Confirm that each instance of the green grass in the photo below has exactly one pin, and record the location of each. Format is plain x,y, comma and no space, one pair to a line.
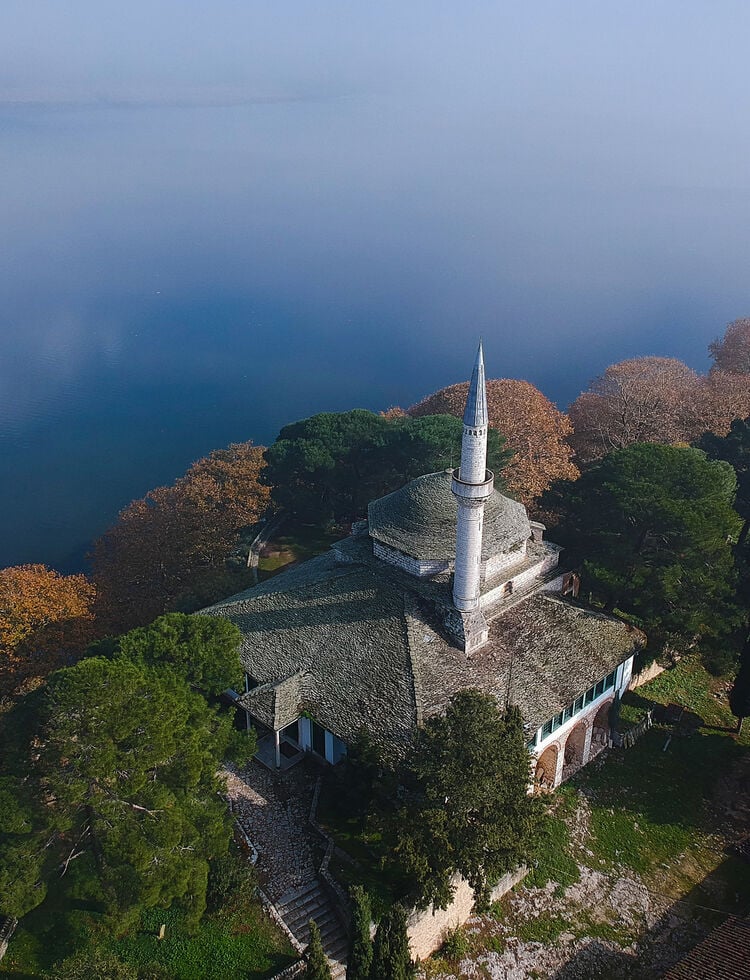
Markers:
298,543
542,929
690,685
651,807
236,944
651,804
553,860
239,946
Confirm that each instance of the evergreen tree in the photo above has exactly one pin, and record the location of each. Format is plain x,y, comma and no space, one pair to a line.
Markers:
470,811
332,465
317,964
360,944
735,449
203,650
391,959
119,764
739,696
655,525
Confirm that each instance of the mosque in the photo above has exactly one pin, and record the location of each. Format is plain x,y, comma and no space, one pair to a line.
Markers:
448,585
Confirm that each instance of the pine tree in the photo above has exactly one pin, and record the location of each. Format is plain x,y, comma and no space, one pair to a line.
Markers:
360,944
317,964
391,959
739,696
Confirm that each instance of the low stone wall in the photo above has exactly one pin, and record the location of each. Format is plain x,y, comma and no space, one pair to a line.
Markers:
647,674
427,929
7,928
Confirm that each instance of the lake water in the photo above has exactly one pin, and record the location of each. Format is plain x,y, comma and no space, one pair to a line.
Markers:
175,277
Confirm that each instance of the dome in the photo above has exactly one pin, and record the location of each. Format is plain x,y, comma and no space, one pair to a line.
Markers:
420,520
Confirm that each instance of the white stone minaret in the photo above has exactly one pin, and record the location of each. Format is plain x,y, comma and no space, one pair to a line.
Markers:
472,484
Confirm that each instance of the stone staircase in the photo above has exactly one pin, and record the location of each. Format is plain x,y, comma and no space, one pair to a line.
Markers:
309,901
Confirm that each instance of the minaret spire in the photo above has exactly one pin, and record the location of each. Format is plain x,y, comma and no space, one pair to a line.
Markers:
471,485
475,413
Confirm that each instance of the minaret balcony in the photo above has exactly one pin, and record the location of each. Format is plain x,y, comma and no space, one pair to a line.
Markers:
473,491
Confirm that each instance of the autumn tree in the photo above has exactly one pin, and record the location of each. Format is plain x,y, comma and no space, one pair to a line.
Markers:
43,616
645,399
534,430
721,397
330,466
731,352
169,549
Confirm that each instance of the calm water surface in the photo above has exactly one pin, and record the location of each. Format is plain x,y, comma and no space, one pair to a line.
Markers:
177,277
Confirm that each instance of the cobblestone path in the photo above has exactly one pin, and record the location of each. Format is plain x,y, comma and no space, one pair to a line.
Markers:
274,811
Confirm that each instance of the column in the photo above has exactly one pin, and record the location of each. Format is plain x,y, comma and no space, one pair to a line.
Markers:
277,746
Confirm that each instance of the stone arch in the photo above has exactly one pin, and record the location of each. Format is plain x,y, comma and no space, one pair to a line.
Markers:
546,767
575,747
600,734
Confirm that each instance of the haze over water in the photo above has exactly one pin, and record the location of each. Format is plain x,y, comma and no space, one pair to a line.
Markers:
218,218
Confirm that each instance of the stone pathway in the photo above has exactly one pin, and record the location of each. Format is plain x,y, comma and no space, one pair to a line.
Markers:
274,813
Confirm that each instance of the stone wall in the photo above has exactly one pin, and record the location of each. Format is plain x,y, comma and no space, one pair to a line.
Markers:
420,568
497,563
647,674
427,929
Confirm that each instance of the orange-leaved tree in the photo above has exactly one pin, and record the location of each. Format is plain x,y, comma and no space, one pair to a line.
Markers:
168,550
44,617
644,399
533,428
732,351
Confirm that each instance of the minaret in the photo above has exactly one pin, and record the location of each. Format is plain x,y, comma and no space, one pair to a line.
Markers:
471,485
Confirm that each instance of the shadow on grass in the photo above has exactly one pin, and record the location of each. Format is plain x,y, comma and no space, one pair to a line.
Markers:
649,803
684,924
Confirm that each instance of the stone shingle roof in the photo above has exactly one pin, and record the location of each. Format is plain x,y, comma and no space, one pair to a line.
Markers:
723,955
420,520
359,645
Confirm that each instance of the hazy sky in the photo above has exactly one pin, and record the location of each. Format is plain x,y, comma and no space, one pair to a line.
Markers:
221,217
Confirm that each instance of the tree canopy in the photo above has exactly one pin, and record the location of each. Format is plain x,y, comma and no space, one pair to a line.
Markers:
330,466
735,449
359,960
390,956
111,771
470,811
169,550
534,430
43,615
317,967
732,351
654,399
202,649
655,525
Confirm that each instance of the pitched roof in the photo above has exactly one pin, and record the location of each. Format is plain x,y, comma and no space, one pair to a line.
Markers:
723,955
360,645
420,520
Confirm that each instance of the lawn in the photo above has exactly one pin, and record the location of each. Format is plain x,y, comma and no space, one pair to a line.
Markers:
235,944
298,543
653,807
